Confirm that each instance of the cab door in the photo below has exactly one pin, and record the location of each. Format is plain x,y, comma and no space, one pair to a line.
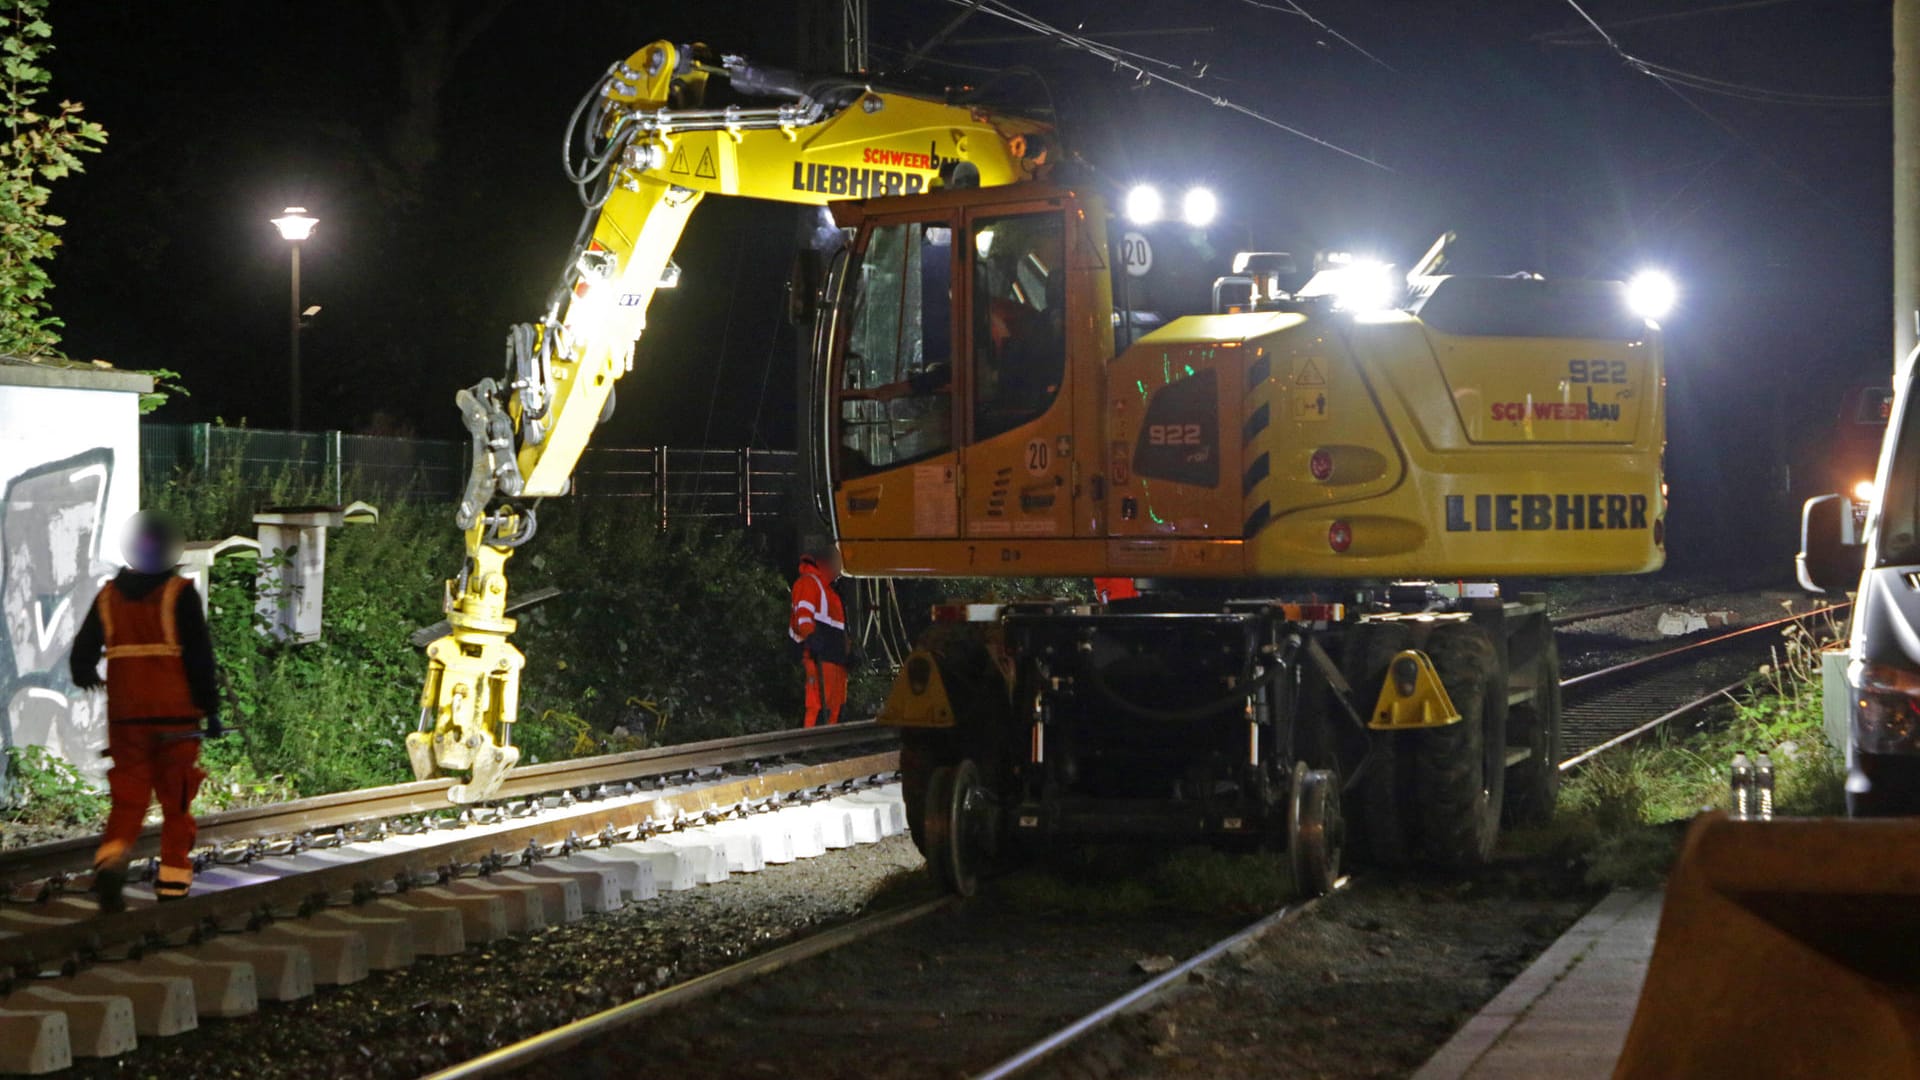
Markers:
892,388
1017,457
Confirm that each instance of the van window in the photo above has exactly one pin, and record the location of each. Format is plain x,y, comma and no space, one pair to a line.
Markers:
1899,522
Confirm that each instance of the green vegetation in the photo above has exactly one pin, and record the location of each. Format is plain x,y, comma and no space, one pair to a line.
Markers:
43,145
46,791
651,639
1624,813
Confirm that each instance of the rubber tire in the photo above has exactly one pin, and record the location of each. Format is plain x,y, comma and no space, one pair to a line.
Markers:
1458,802
916,769
1533,786
1377,819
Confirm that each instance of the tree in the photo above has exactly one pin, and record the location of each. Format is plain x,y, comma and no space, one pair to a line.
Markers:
42,146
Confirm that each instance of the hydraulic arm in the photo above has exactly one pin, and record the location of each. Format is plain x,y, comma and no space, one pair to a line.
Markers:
644,147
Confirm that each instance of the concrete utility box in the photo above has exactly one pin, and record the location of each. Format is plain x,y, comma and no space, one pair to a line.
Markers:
1836,697
69,479
293,565
197,558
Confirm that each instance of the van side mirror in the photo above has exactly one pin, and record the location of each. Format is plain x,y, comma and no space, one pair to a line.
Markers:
1833,546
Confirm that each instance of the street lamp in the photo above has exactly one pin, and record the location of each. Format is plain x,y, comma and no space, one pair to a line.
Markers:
294,226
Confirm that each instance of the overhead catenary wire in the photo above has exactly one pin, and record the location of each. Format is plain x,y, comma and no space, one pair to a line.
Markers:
1119,59
1675,88
1289,7
1673,78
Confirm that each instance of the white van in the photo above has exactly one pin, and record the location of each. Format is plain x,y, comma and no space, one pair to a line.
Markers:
1873,547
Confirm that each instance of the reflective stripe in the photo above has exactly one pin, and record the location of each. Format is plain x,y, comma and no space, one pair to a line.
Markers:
169,604
125,652
804,605
181,876
793,635
111,853
831,621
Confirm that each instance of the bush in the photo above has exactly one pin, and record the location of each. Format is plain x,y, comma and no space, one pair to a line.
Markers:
44,790
652,639
1624,812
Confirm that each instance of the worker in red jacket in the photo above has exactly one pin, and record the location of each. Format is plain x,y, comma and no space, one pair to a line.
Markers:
817,623
160,685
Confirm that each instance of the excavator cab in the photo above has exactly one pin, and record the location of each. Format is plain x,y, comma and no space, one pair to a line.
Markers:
959,367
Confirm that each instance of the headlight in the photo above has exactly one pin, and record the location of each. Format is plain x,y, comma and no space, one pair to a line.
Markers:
1143,204
1651,294
1199,207
1864,491
1365,285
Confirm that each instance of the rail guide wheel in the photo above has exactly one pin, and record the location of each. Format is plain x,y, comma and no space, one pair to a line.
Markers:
959,826
1315,830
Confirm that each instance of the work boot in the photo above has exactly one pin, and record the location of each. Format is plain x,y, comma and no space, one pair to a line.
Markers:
108,884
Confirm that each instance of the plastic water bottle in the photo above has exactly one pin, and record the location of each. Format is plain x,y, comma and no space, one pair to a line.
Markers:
1742,786
1763,786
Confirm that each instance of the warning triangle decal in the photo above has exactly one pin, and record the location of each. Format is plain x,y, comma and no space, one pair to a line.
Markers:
706,165
679,161
1311,373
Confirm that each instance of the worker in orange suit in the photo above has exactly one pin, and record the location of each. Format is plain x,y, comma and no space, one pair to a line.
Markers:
1109,589
161,686
817,623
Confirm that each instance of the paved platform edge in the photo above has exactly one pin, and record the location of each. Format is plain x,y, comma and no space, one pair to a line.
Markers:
1481,1033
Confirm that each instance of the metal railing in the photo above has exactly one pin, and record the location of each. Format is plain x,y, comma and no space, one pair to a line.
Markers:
742,486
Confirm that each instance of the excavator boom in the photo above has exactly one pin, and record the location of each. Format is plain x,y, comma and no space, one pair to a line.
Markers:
644,149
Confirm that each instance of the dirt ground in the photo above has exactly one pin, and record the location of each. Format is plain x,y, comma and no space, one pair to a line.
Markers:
1368,984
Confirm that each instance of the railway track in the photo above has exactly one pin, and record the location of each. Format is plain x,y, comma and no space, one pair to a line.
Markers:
1615,705
399,847
1605,708
324,891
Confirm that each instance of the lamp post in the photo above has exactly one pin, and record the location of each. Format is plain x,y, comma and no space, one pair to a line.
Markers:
294,226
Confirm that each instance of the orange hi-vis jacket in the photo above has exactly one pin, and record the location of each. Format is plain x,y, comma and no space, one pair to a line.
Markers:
146,675
818,619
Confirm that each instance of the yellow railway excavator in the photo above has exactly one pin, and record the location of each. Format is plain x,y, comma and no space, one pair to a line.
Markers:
1318,480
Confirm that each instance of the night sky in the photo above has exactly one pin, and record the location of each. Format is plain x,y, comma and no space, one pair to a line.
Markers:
426,137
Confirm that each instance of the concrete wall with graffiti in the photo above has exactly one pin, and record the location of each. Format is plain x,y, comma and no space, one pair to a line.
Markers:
69,479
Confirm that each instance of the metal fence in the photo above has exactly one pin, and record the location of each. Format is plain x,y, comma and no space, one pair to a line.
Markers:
742,486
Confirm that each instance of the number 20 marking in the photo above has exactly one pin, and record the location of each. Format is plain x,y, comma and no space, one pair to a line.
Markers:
1596,371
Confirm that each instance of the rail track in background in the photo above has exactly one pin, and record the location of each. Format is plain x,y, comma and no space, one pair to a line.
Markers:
1627,701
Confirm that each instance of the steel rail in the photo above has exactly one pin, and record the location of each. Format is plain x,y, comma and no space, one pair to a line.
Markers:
1695,646
1100,1017
1631,734
40,861
537,1048
53,947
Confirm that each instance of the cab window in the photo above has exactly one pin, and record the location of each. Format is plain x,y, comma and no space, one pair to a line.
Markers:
1019,319
895,389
